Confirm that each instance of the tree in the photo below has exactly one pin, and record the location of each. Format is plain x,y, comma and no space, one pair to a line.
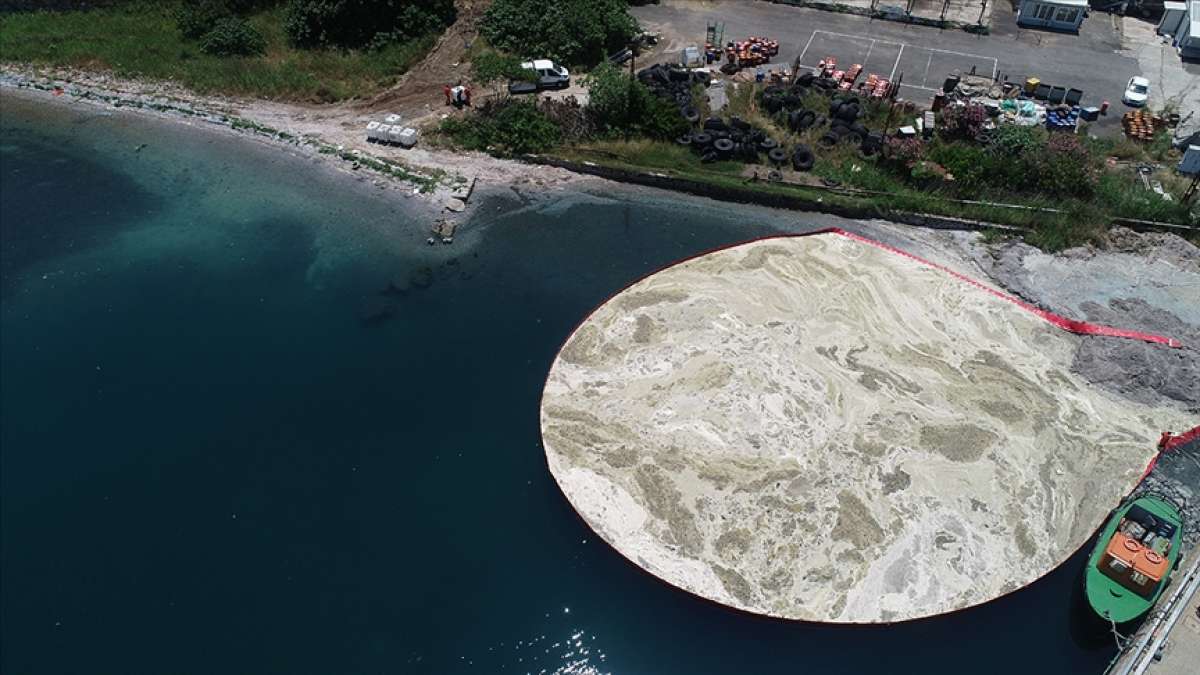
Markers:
574,32
352,24
619,103
489,66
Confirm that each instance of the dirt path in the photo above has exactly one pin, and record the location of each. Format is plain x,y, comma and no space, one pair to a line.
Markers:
418,93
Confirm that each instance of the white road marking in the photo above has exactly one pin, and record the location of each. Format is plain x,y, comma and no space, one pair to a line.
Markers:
897,63
800,59
900,54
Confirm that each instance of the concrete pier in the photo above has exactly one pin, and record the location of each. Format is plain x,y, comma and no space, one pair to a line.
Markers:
1169,641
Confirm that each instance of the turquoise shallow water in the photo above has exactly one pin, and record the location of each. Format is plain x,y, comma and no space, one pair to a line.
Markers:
252,424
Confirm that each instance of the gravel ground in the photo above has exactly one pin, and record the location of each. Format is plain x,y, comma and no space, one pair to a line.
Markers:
1147,282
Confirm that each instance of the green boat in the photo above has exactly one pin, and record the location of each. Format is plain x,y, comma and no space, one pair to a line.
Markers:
1131,565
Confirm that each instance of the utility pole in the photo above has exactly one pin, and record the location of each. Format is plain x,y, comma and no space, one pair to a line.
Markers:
982,11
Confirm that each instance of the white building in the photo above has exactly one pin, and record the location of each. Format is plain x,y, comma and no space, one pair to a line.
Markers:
1056,14
1187,37
1174,14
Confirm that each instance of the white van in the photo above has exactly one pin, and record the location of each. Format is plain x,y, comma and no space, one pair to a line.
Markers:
550,75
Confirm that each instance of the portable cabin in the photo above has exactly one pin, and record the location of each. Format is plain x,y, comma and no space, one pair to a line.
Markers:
1174,14
1187,39
1064,15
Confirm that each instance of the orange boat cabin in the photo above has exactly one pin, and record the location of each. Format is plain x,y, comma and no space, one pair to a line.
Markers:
1136,556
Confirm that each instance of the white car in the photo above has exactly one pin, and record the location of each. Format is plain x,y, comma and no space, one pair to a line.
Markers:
1137,91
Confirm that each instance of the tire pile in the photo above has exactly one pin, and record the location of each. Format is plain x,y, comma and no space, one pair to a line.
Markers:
737,139
675,85
840,117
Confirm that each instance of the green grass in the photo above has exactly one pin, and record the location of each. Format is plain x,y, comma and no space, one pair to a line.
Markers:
1077,222
141,40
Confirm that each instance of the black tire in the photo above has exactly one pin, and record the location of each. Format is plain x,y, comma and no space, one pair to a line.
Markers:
802,158
685,140
806,79
677,75
768,144
708,157
860,129
723,146
807,120
847,112
793,120
853,138
774,176
772,90
739,124
702,140
690,114
773,104
792,102
777,155
715,124
830,139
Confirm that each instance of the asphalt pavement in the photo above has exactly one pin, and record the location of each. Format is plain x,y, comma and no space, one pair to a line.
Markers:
1091,61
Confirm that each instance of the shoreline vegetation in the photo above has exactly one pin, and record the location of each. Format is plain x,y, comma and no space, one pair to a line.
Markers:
1057,188
624,131
144,39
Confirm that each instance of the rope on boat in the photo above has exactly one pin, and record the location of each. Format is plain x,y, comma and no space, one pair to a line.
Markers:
1121,640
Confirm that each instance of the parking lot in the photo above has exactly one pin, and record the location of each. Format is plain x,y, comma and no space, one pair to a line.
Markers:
1092,61
920,69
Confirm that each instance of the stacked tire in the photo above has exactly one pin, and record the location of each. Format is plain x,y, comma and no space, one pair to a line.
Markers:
675,85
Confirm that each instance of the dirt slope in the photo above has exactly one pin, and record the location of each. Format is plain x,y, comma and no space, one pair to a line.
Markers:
419,91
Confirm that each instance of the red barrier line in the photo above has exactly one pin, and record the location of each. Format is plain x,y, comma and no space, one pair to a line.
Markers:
1170,442
1070,325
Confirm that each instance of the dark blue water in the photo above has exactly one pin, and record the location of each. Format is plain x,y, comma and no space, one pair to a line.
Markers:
226,446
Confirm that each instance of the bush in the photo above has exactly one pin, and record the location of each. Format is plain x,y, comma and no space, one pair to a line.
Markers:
618,103
363,23
232,36
1065,168
904,151
970,164
505,127
574,32
490,66
961,121
197,18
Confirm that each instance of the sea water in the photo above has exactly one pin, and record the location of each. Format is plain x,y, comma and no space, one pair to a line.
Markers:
251,423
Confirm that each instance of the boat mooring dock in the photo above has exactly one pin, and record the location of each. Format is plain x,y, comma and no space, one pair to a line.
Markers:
1169,641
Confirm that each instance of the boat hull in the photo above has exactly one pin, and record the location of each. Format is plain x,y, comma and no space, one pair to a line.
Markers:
1112,601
